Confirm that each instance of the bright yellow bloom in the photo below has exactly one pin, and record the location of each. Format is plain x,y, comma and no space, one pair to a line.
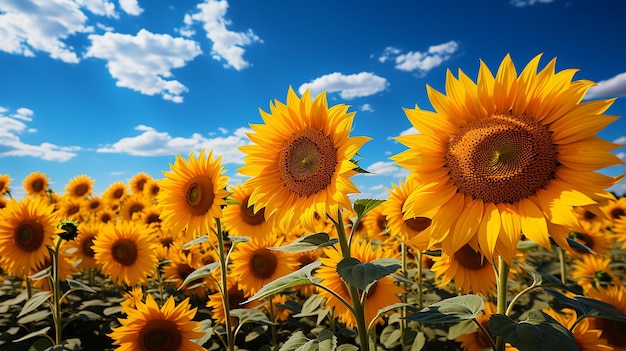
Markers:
138,181
36,183
27,228
79,187
407,229
132,207
84,242
149,327
241,219
301,158
612,330
470,271
587,338
615,209
5,179
507,155
192,194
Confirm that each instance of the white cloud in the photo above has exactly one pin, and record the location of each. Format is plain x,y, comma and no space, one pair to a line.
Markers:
349,86
154,143
523,3
384,168
27,26
421,62
621,156
11,144
620,140
227,45
131,7
142,62
99,7
612,87
411,130
367,108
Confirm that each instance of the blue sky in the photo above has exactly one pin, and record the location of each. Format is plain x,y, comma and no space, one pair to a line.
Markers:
110,88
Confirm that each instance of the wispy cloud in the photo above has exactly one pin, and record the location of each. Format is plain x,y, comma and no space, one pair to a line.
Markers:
131,7
385,168
612,87
99,7
143,62
12,125
154,143
28,26
620,140
523,3
420,61
227,45
348,86
367,108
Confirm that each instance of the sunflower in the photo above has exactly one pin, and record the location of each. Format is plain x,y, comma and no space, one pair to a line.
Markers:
131,298
3,202
470,270
106,216
587,338
5,179
124,251
593,271
254,265
615,209
590,215
592,236
619,230
376,225
83,244
236,296
133,206
407,229
36,183
138,182
27,228
192,194
381,294
150,328
92,205
151,189
180,265
612,330
69,207
79,187
507,155
240,218
114,194
301,158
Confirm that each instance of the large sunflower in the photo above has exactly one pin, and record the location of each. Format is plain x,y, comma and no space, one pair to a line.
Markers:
301,158
507,155
124,250
240,218
150,328
192,194
36,183
27,228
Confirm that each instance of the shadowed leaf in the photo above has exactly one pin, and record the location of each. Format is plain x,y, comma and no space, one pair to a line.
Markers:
451,310
537,333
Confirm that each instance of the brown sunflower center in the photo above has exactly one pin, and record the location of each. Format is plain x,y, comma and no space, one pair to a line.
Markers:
307,162
118,193
29,235
73,209
618,212
501,159
124,251
37,185
418,224
248,215
263,263
135,208
81,189
153,218
105,217
470,259
199,195
160,335
613,331
583,238
94,205
141,183
86,247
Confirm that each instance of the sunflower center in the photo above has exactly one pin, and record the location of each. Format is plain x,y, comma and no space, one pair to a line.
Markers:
37,185
124,251
135,208
86,247
616,213
582,238
118,193
72,210
248,215
29,235
613,331
81,189
263,263
307,162
470,259
418,224
501,159
199,195
105,217
160,335
588,215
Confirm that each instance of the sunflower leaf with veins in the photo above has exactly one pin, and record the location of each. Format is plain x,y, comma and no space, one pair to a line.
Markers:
302,276
364,275
537,333
451,310
307,243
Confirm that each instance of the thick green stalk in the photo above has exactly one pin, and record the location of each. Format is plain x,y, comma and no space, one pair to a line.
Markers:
230,340
56,294
503,275
359,311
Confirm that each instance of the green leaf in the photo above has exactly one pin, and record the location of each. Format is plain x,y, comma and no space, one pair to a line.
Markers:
199,273
585,306
387,309
363,206
302,276
35,301
451,310
541,278
580,247
307,243
249,315
40,344
537,333
327,340
35,316
363,275
239,239
296,340
196,241
390,336
43,331
76,285
206,327
347,347
46,272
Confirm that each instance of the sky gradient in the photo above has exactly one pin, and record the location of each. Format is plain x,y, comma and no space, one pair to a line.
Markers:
111,88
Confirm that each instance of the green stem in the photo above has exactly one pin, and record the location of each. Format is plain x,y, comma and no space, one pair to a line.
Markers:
273,325
359,310
562,264
56,294
403,309
503,275
486,333
420,298
223,272
518,296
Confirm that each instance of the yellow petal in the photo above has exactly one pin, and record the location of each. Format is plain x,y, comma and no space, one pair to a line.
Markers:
489,230
533,223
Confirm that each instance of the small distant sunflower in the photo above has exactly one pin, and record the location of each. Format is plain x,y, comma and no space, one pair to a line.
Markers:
131,298
92,205
138,182
133,206
151,215
255,265
612,330
124,251
236,296
5,179
301,158
69,207
376,225
592,236
587,338
151,189
149,327
106,216
84,242
507,155
593,271
192,194
240,218
615,209
114,194
407,229
36,183
470,270
180,266
382,294
79,187
27,228
620,232
590,215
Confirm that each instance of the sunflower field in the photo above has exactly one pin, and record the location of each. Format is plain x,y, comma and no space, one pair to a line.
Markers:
502,237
